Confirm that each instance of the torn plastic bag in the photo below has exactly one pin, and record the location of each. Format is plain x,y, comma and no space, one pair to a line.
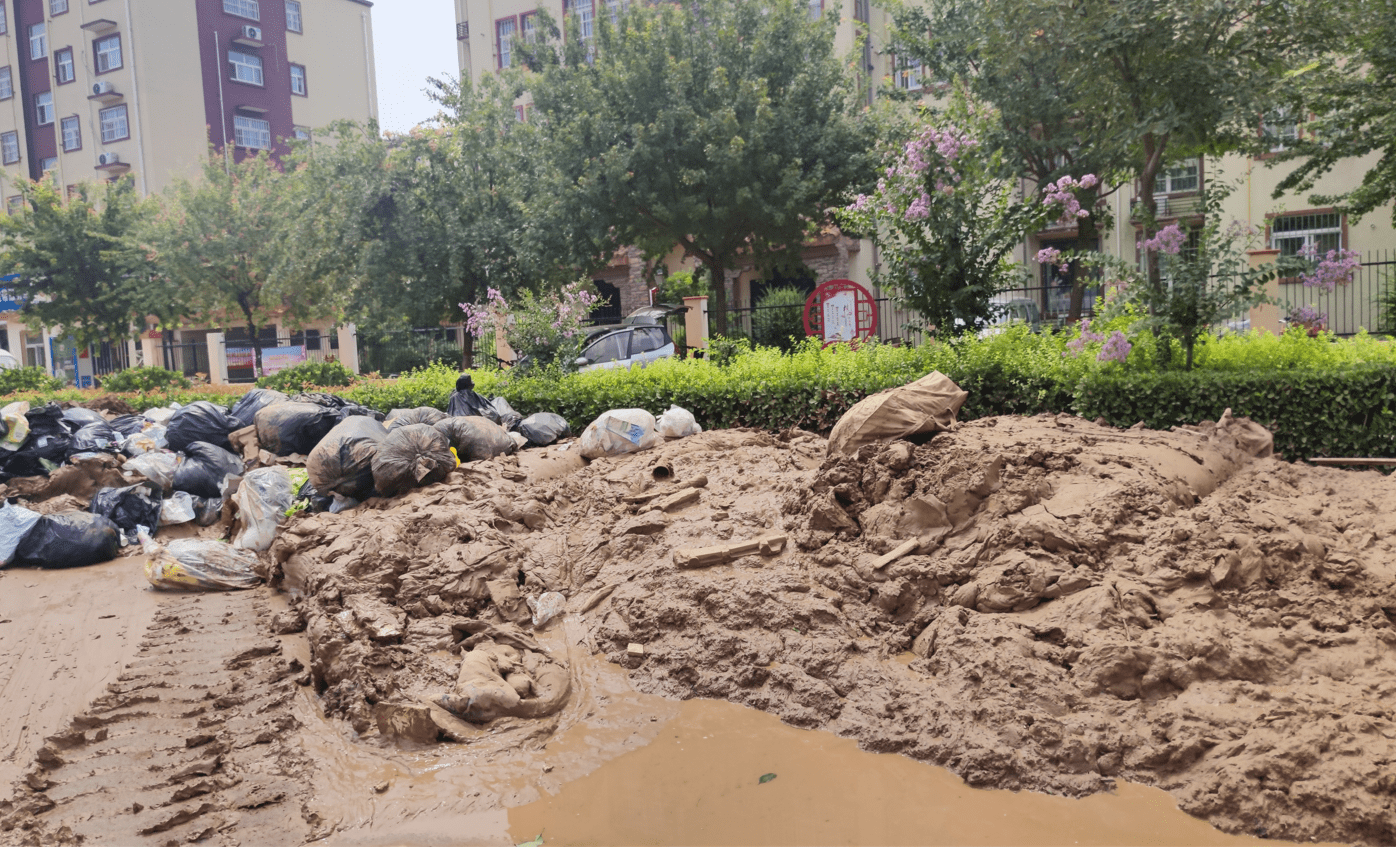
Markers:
200,421
197,564
262,501
95,438
15,523
343,460
411,456
316,501
420,415
149,439
157,466
508,418
476,438
203,469
78,417
16,425
177,509
470,403
618,432
677,423
209,510
246,408
69,540
293,427
340,503
543,428
129,424
161,414
130,507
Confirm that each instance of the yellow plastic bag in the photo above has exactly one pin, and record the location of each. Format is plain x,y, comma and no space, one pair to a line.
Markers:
16,425
194,564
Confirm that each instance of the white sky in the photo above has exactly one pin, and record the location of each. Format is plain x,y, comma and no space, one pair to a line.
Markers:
412,40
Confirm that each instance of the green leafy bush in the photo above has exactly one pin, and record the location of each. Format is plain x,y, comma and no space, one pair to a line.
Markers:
27,379
723,350
140,379
308,375
779,318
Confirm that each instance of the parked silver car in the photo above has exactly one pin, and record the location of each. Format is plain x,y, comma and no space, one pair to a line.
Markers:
638,340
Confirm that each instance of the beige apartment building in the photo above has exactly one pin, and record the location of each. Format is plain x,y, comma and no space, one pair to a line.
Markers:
94,89
485,29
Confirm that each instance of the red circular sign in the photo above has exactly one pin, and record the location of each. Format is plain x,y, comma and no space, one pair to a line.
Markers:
841,310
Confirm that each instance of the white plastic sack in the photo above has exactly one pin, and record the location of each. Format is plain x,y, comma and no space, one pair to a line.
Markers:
678,423
148,440
162,414
262,500
618,432
545,608
158,467
15,523
16,425
177,509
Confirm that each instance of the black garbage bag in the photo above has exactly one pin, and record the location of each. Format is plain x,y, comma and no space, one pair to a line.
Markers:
69,540
316,501
128,424
45,448
78,417
95,438
471,403
420,415
246,409
411,456
201,421
507,417
476,438
354,409
294,427
208,510
543,428
203,469
321,398
130,507
343,460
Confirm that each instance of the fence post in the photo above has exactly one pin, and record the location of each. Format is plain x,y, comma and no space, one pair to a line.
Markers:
14,337
1266,315
349,347
695,323
217,359
150,352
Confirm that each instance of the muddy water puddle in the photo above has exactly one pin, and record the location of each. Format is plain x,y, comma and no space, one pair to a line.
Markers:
699,782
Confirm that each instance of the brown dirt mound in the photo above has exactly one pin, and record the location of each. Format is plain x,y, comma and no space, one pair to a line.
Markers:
1072,603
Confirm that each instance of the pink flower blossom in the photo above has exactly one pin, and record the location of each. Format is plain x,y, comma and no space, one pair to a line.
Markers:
1115,349
1168,240
1335,269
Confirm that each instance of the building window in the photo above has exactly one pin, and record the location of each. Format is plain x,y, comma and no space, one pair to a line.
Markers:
9,147
251,132
1279,129
816,8
243,9
1179,178
63,70
528,27
43,108
585,17
302,134
108,53
246,67
1318,232
298,80
114,125
57,7
504,40
4,19
293,15
7,85
614,9
38,41
520,114
49,164
72,134
908,76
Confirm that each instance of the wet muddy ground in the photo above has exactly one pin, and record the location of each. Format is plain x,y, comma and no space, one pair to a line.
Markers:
1036,604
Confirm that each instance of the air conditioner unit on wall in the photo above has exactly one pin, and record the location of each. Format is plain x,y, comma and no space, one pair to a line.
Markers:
101,87
108,159
252,33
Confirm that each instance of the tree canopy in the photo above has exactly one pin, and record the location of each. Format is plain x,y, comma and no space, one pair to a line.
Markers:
726,127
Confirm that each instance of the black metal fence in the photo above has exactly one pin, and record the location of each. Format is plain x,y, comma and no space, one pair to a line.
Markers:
395,353
1368,302
186,357
110,357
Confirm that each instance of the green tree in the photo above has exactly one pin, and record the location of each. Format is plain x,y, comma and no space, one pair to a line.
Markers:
1121,87
227,248
80,263
727,127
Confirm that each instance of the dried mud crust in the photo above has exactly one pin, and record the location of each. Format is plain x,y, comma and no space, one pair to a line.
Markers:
1081,604
193,742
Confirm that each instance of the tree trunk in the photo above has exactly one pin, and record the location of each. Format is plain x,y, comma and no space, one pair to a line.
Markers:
467,353
1085,229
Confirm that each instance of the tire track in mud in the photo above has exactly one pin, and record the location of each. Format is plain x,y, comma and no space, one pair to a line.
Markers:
194,741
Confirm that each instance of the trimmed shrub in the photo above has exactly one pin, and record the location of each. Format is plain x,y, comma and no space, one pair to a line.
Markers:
307,375
140,379
27,379
779,318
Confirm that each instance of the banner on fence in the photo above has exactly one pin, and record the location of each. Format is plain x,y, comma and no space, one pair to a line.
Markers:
240,357
279,358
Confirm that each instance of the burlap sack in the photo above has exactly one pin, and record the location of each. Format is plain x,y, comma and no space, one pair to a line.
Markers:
929,404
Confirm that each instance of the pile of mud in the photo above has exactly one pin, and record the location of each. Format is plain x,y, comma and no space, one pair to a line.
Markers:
1039,603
